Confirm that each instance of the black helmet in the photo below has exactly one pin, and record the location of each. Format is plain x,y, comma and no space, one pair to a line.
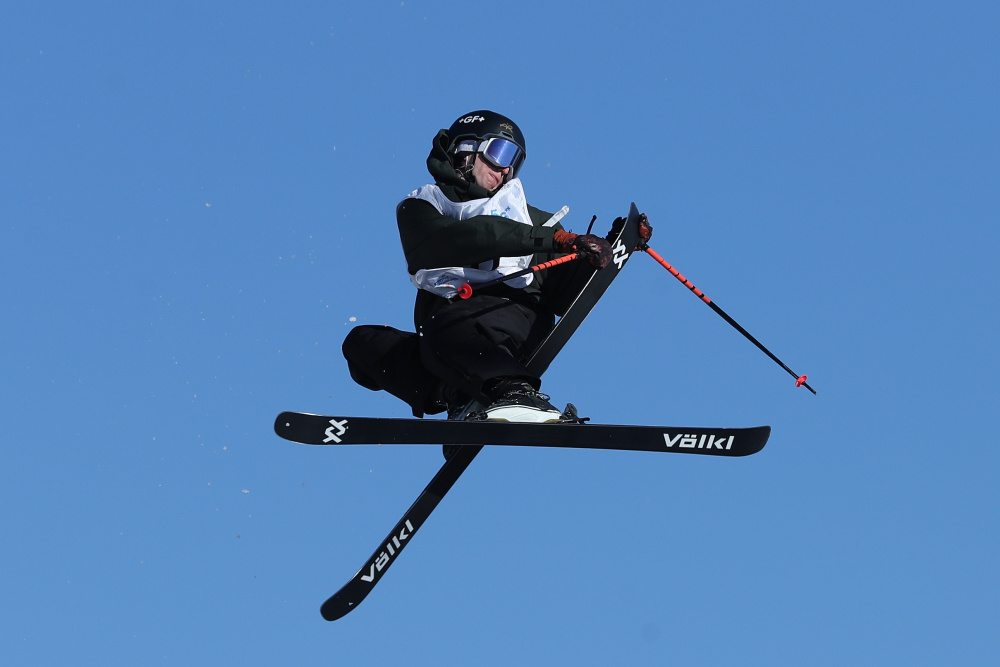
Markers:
468,133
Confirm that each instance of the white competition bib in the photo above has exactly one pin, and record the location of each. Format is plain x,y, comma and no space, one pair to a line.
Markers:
508,202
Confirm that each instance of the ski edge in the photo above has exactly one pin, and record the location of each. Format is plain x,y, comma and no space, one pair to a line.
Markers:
614,437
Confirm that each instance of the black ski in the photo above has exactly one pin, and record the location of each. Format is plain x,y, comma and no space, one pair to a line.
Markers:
355,590
326,430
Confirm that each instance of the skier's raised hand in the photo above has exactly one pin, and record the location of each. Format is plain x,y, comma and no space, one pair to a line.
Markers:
645,229
594,249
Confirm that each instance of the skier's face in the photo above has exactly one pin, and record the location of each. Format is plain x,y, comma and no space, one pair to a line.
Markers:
487,175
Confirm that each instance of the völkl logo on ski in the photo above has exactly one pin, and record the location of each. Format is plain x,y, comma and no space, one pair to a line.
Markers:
391,548
692,441
341,429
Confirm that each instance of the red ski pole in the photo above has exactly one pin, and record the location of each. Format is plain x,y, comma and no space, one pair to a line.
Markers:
465,291
800,380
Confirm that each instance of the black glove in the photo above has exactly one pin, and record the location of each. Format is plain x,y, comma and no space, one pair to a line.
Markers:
645,229
616,228
594,249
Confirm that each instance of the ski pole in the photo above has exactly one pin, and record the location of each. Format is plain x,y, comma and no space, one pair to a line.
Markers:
800,380
465,291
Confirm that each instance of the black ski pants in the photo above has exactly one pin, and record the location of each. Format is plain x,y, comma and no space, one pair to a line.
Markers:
457,351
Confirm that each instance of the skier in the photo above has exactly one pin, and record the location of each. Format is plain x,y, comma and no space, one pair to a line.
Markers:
473,224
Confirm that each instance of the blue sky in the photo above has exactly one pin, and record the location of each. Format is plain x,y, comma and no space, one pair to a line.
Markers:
197,203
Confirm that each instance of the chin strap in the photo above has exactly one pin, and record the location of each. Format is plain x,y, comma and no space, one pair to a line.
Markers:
465,171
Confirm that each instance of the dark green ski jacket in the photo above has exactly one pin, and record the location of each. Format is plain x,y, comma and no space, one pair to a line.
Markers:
433,240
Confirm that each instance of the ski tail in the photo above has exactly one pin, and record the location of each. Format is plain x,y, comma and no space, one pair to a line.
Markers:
622,249
350,596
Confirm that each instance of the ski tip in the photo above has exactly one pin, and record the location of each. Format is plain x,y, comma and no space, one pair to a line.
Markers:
280,423
333,609
758,437
283,424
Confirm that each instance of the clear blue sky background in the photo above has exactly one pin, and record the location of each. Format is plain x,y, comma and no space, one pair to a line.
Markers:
197,203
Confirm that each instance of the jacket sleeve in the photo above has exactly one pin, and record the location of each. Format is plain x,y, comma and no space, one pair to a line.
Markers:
431,239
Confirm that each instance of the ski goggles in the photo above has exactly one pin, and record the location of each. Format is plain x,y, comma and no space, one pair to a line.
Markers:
500,153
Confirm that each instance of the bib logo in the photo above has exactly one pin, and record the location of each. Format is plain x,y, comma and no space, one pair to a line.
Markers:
471,119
